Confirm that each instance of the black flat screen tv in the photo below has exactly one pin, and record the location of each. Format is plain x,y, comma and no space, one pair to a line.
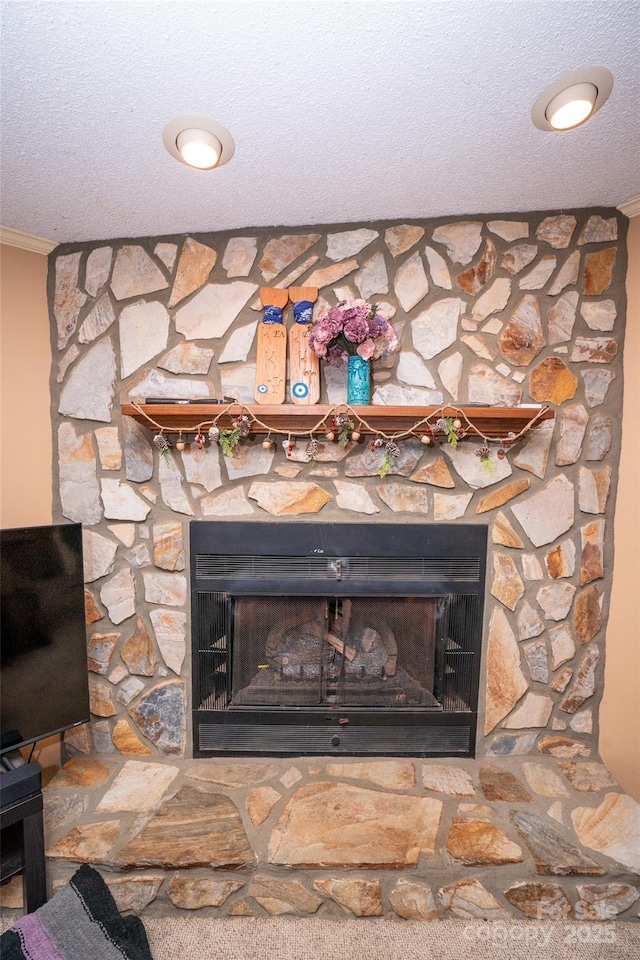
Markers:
44,687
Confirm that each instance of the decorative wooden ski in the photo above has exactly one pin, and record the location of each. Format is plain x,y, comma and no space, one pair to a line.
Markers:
271,365
304,365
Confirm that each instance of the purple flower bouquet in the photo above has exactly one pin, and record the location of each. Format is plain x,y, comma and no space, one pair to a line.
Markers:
352,328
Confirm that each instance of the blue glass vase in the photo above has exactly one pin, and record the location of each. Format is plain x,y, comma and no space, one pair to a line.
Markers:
358,381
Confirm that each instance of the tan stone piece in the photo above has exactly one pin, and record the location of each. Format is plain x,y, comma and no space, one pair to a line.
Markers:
194,266
83,772
454,781
126,741
592,555
283,896
507,585
505,680
557,230
134,893
543,779
503,533
282,251
90,843
413,901
402,237
613,828
598,271
551,381
192,829
363,898
391,774
502,495
500,784
469,899
587,776
192,893
604,901
540,901
475,278
587,613
280,498
478,842
522,339
563,747
340,825
260,802
326,276
239,773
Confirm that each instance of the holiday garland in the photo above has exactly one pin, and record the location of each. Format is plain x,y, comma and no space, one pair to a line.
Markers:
449,424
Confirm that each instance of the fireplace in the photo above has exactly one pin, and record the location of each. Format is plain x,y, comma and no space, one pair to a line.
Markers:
347,639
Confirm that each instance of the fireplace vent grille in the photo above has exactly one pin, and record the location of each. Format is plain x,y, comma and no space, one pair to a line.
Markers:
404,569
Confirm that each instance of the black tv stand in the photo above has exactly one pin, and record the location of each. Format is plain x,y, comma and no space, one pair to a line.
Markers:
22,830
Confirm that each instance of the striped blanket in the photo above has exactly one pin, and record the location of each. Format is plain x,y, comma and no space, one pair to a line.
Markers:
81,922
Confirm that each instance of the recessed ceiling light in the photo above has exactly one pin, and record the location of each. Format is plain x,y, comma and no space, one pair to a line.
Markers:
572,99
198,141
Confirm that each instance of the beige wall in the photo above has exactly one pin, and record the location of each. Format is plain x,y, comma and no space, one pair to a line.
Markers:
25,363
25,432
620,711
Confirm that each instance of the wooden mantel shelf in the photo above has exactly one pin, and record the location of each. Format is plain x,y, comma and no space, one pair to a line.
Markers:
174,417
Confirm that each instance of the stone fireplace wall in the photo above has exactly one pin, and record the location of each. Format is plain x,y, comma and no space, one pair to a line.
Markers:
499,310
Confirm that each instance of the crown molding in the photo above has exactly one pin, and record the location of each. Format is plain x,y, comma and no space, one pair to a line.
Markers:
631,208
26,241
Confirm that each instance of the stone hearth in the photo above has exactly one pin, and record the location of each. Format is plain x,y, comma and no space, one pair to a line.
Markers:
416,839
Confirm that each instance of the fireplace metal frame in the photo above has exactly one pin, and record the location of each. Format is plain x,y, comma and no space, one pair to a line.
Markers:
311,558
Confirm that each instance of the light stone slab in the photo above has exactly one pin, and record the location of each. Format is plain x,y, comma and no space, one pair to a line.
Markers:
239,382
326,276
411,284
439,270
598,229
509,230
88,392
125,532
202,466
210,313
284,499
436,328
138,787
461,239
109,449
138,453
390,774
72,354
402,237
544,780
529,623
135,273
153,383
97,269
469,899
538,276
572,430
79,491
557,230
593,489
118,595
171,490
534,711
121,502
596,385
68,299
547,514
412,370
450,507
165,589
389,394
249,461
372,277
187,358
449,371
239,344
493,300
563,646
556,599
469,466
505,680
442,778
97,320
98,555
561,560
351,496
413,901
169,627
518,257
166,252
239,256
507,586
599,314
561,317
567,274
533,456
348,243
279,252
486,386
230,503
400,500
531,569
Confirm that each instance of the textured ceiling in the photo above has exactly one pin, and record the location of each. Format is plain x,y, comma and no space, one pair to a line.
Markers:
341,111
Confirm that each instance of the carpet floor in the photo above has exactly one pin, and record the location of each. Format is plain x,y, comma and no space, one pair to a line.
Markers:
301,939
